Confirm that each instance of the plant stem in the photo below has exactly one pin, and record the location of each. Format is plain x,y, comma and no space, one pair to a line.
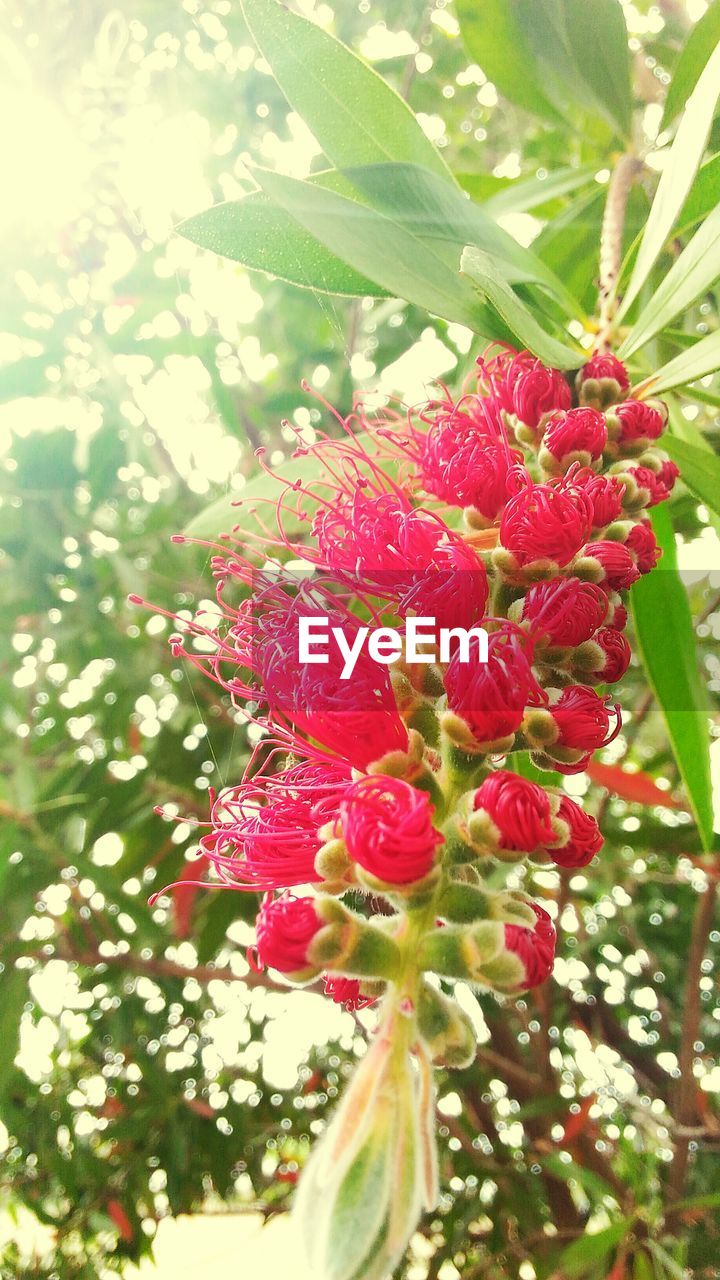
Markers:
685,1109
611,238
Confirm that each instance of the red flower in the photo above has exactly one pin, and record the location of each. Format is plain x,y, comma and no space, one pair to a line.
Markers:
546,522
265,831
576,435
638,421
523,386
654,486
583,719
565,611
584,840
284,930
618,567
491,697
465,459
605,366
347,992
453,589
387,827
535,948
520,810
605,494
617,654
642,545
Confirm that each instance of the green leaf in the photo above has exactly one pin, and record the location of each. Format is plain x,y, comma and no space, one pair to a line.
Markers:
598,41
677,177
494,34
694,272
697,362
528,193
702,197
704,35
14,995
581,1256
397,258
263,236
355,115
700,469
669,657
479,267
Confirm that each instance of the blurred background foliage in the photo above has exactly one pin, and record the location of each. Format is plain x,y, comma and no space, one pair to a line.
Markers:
144,1071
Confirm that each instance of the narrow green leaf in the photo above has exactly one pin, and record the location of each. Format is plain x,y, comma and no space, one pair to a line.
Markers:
704,35
494,35
700,469
355,115
400,259
14,995
599,44
581,1256
677,177
666,639
263,236
697,362
528,193
693,273
702,197
479,267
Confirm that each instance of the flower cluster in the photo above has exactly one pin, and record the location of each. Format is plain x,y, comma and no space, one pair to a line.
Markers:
520,506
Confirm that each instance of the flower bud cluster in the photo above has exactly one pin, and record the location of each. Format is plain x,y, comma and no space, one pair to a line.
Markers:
373,809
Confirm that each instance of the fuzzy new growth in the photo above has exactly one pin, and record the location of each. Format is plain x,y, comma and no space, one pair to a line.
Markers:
394,789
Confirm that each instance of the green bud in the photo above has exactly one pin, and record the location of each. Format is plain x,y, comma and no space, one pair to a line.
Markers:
350,945
445,1028
457,952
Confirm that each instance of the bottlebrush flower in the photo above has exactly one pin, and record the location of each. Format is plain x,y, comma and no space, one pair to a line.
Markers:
577,435
642,545
602,381
534,948
563,612
264,832
546,523
356,719
284,929
646,486
611,564
486,701
605,494
615,652
636,423
452,589
583,841
523,386
388,831
464,458
511,814
584,720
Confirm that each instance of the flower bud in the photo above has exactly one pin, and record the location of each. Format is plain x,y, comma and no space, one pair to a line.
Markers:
486,701
446,1029
642,545
584,723
578,435
349,992
602,381
605,494
564,612
388,831
510,816
608,562
583,840
285,929
609,660
349,944
646,486
461,951
635,424
532,950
